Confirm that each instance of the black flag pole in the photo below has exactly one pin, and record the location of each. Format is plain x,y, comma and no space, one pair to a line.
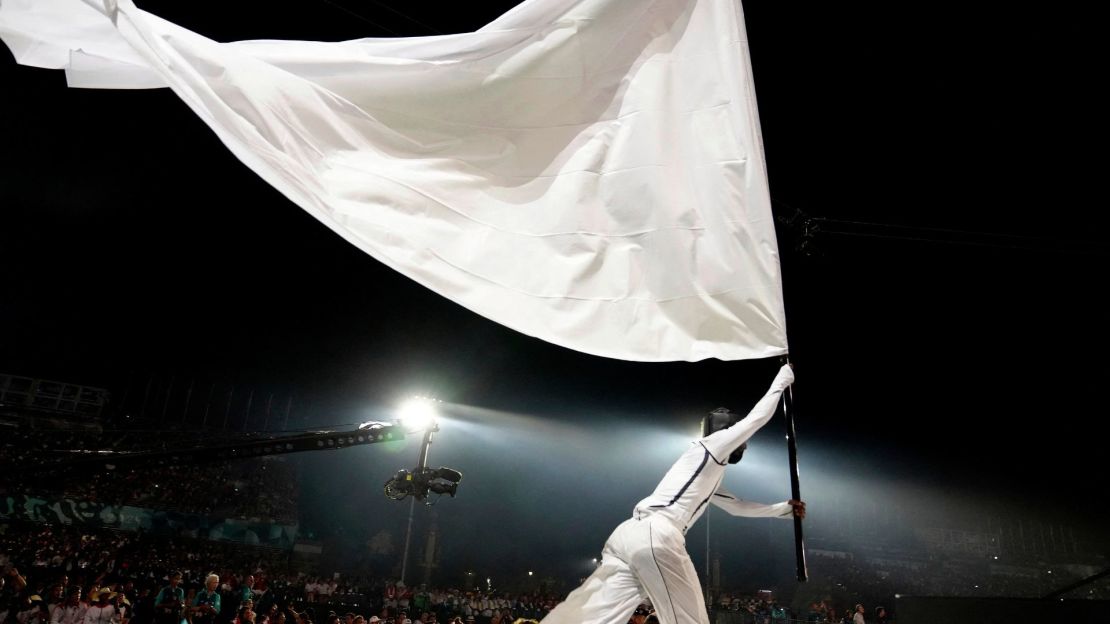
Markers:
795,487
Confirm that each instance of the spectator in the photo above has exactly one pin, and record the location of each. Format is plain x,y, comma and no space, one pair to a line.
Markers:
170,602
101,611
123,607
206,604
13,582
34,611
245,616
72,611
640,615
311,589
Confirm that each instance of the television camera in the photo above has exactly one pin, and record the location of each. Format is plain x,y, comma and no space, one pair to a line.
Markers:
419,482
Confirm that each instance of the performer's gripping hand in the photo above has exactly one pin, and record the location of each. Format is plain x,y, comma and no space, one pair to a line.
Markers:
799,508
784,378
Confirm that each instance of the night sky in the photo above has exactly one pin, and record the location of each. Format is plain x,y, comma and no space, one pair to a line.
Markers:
952,376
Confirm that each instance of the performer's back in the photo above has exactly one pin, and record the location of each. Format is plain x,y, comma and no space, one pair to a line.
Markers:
685,490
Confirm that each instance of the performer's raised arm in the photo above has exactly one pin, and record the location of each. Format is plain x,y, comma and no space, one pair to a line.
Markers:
725,441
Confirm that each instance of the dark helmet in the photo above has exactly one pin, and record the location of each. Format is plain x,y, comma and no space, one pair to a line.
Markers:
720,418
723,418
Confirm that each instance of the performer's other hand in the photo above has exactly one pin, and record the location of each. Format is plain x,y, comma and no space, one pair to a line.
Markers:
799,508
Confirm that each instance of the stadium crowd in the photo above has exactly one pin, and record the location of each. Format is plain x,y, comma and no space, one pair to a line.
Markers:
45,564
74,575
250,489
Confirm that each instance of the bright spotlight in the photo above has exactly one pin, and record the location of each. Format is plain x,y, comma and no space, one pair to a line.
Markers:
417,414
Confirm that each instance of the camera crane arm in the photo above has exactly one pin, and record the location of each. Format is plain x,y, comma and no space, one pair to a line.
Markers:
371,433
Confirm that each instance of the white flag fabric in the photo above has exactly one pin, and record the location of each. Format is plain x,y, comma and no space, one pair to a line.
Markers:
588,172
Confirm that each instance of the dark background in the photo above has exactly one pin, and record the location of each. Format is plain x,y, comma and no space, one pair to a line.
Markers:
938,382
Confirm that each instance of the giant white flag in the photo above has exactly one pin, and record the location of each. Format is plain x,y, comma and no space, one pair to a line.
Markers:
589,172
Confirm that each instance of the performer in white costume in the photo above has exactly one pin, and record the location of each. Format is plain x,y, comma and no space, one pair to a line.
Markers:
646,555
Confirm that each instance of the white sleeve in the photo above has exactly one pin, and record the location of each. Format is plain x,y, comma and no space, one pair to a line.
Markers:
722,443
740,507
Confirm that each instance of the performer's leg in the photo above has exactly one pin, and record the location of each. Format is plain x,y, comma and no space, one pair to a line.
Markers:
668,576
608,596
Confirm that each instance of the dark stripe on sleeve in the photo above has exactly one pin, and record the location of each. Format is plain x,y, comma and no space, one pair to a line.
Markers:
719,463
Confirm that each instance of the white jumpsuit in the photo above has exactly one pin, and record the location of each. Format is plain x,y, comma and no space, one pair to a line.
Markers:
646,555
